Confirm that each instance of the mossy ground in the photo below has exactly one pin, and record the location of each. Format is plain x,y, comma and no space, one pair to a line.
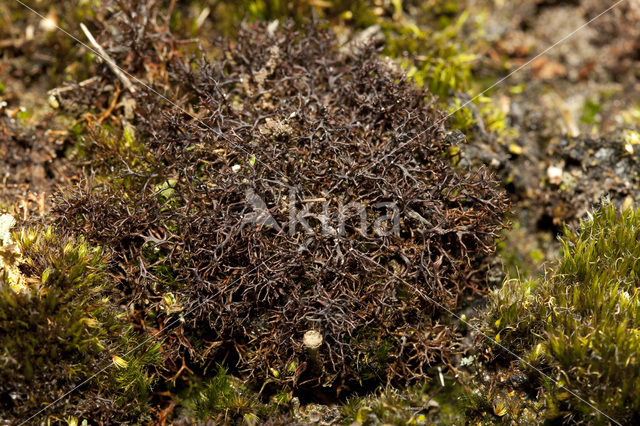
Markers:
60,325
578,324
531,130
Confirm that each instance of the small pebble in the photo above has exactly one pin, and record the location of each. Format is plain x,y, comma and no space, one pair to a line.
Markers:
554,174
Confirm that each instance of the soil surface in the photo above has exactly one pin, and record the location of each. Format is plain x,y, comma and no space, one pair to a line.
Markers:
573,110
573,116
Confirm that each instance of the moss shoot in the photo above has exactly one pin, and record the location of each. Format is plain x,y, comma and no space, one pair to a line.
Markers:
60,326
580,324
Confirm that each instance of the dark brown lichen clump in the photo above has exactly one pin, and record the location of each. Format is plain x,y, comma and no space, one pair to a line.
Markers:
245,222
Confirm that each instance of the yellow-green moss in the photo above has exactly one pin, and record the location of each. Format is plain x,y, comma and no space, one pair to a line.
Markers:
580,323
60,326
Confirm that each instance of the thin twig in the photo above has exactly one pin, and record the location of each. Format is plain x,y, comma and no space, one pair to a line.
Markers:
103,54
58,90
112,106
13,42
